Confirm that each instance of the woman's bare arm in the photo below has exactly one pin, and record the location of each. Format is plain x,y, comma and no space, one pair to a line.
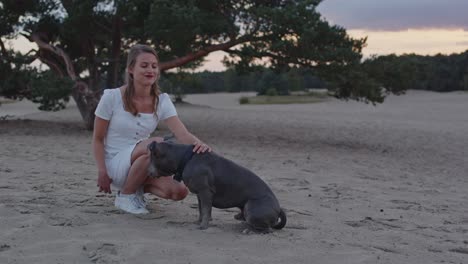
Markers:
99,134
184,136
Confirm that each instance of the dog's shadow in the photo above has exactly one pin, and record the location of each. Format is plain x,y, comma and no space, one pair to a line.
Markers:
239,227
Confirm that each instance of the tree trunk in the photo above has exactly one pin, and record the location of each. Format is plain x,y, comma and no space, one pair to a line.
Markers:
86,103
114,65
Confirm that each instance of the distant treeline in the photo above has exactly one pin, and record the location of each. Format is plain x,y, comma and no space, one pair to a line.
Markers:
440,73
262,81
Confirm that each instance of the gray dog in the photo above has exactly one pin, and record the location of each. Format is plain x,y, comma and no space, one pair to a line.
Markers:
218,182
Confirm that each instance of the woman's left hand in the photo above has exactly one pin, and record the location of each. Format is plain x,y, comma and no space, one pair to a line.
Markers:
200,147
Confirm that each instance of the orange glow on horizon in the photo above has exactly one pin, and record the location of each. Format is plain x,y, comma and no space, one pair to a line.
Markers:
419,41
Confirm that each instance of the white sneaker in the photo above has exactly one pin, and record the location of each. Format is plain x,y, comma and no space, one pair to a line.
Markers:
129,203
140,193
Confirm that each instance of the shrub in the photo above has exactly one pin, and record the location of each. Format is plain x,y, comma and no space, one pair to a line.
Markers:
271,92
243,100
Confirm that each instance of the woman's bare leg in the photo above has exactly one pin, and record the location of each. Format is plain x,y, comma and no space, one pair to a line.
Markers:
167,188
136,175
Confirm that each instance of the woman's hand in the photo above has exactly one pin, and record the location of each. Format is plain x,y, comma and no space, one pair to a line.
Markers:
200,147
104,182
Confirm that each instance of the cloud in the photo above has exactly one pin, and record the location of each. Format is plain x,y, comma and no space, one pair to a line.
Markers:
396,15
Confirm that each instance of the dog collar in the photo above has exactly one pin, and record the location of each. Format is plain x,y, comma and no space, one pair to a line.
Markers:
186,158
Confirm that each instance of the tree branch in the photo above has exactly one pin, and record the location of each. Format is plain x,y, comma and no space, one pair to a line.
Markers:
114,66
79,87
201,53
50,61
57,51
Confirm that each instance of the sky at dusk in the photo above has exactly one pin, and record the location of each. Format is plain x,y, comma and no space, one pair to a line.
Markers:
424,27
396,15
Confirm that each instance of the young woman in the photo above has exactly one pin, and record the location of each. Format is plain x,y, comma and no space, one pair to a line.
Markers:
125,118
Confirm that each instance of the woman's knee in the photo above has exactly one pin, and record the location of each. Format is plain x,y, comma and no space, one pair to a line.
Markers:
177,192
142,147
180,193
166,188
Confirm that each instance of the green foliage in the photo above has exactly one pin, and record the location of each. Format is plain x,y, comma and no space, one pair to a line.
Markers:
434,73
11,11
354,83
21,82
181,83
230,81
15,77
271,92
51,92
282,35
243,100
273,84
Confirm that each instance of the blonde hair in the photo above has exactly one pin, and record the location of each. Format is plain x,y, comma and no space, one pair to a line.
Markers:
130,90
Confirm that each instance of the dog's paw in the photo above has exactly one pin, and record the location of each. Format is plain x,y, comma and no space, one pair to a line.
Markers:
203,227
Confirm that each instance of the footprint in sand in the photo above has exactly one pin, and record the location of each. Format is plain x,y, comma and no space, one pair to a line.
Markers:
434,250
386,249
42,200
179,223
57,220
376,224
293,182
331,191
105,253
4,247
405,205
459,250
409,205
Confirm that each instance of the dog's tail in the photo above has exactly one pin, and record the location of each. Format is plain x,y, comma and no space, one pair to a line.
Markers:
281,220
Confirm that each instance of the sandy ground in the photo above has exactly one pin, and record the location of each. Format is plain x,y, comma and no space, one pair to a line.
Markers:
360,184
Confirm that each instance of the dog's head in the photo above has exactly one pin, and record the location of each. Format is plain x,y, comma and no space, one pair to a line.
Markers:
162,160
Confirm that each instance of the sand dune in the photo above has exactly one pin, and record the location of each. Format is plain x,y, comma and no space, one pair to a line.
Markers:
360,184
